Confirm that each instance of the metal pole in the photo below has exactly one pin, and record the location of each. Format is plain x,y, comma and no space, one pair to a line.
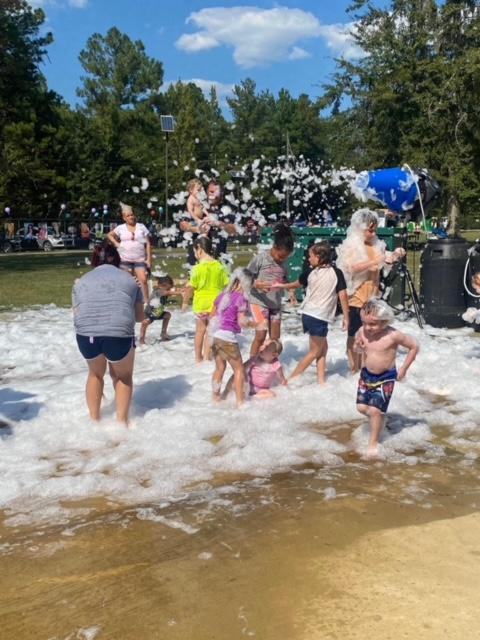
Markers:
288,177
166,179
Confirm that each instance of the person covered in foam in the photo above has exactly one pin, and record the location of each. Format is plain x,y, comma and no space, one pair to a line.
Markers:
361,257
229,316
377,343
472,314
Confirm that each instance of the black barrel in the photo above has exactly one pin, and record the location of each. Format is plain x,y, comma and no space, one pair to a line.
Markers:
441,282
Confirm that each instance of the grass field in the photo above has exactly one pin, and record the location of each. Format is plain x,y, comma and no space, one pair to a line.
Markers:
29,279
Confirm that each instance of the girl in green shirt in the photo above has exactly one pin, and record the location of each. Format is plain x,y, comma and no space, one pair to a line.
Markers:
208,278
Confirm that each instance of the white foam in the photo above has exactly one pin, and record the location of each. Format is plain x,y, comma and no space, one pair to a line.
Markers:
53,454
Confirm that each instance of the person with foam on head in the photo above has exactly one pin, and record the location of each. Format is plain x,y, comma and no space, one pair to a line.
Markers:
377,343
228,317
132,240
361,257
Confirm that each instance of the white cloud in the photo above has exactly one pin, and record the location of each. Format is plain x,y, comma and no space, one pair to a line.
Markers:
258,36
298,54
193,42
339,38
76,4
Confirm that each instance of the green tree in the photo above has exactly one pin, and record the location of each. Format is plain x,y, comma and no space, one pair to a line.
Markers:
22,50
33,145
415,96
252,130
120,74
120,132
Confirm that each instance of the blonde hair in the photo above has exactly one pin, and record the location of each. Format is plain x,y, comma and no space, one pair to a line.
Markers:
125,208
378,309
191,183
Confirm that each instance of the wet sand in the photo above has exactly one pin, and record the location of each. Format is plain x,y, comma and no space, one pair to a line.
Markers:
395,554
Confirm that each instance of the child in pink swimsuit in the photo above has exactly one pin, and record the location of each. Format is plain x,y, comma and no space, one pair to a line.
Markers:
265,369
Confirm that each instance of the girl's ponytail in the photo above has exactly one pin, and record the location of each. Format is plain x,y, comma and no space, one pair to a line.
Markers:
204,243
283,237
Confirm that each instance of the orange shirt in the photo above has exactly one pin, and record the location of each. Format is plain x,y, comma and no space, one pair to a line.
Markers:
368,288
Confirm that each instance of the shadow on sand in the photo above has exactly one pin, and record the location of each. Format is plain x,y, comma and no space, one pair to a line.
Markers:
17,405
160,394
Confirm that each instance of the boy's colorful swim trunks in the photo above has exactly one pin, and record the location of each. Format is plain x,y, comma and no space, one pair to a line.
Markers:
375,389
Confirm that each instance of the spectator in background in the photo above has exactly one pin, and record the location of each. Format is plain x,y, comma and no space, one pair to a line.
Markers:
220,221
132,240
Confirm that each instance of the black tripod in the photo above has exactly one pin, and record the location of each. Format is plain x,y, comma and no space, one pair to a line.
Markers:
409,300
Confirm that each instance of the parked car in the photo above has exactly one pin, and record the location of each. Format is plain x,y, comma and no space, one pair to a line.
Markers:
44,238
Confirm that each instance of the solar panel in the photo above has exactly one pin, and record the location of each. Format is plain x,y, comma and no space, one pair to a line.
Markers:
167,123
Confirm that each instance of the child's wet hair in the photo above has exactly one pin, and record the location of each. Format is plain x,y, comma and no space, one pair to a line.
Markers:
204,243
323,251
277,344
164,281
283,237
378,309
243,277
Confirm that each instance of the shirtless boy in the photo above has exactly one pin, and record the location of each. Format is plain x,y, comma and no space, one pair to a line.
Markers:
378,342
194,201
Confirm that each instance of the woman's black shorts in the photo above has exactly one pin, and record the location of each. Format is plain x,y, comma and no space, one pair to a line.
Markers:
114,349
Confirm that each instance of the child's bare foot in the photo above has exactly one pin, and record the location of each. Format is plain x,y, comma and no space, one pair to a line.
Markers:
142,342
217,397
263,394
372,452
165,337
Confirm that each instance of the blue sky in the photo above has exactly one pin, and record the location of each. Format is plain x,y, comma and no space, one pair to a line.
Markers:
291,44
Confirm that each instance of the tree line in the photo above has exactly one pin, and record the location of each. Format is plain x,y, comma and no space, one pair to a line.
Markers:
413,97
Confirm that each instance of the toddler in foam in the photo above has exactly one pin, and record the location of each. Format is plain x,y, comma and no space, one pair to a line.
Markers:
378,342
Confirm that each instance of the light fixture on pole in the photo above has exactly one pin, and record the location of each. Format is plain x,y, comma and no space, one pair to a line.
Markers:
167,124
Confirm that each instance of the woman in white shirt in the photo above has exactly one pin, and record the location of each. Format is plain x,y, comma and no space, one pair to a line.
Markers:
132,240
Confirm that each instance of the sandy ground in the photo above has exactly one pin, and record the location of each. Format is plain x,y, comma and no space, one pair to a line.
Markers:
300,568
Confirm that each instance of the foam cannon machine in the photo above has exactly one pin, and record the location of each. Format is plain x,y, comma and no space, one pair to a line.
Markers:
446,263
